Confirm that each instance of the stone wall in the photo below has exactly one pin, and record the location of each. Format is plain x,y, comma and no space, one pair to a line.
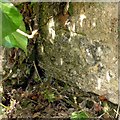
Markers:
82,46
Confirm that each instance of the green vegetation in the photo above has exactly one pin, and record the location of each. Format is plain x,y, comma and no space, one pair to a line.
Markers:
11,21
82,115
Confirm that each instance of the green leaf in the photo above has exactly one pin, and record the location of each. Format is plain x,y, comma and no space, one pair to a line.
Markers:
11,21
79,115
15,39
11,18
4,0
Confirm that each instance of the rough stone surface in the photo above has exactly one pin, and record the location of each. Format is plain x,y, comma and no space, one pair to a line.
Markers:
83,49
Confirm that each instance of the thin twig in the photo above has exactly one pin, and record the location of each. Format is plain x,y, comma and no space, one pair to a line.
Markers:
36,70
117,112
8,75
25,34
101,115
4,106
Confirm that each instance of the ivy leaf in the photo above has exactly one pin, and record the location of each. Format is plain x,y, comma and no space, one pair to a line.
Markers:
15,39
11,21
11,18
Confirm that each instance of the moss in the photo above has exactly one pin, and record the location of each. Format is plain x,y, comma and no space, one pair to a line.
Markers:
70,10
43,18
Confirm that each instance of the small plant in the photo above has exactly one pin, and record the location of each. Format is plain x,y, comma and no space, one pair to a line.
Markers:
49,96
82,115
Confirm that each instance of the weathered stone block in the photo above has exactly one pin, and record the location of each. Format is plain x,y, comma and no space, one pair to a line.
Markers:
84,49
